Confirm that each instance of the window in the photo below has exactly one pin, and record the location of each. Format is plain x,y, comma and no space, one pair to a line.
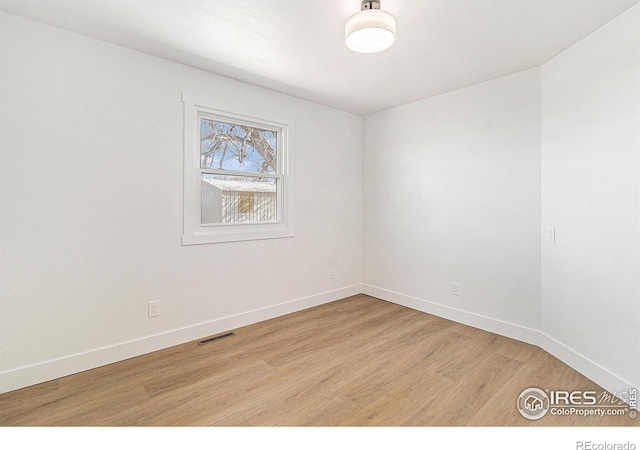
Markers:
237,175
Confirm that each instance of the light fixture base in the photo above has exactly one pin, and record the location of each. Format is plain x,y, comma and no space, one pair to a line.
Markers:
369,4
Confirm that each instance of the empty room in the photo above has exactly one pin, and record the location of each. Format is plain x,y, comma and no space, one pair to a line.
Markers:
296,213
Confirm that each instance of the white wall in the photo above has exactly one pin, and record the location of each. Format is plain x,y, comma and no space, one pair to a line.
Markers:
591,194
91,208
452,194
459,187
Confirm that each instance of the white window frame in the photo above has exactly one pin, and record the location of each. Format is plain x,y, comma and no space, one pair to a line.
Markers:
194,232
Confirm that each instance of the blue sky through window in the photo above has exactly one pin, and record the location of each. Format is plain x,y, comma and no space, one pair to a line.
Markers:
227,146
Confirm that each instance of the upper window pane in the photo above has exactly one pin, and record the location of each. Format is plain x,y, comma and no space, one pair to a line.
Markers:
229,146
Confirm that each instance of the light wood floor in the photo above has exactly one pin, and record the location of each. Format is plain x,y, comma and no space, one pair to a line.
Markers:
355,362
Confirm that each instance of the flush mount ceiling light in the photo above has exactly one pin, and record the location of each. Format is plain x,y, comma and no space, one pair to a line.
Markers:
370,30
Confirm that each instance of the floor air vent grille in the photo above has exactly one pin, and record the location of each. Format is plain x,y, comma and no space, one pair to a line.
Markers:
215,338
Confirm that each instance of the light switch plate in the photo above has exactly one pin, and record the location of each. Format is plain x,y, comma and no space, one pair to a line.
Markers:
551,234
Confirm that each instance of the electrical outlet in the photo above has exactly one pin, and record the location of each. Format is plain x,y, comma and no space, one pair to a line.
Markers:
455,288
154,308
332,272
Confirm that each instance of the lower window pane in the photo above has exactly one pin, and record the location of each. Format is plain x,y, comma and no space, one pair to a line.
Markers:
235,199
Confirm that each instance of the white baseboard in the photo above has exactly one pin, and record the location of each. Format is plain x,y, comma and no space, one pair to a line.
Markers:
57,368
53,369
511,330
590,369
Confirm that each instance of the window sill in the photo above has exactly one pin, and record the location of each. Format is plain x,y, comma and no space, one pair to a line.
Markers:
230,236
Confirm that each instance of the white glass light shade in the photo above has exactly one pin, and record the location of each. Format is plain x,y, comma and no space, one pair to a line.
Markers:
370,31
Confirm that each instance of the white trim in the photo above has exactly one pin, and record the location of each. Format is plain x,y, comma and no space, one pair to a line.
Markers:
590,369
196,233
50,370
277,232
503,328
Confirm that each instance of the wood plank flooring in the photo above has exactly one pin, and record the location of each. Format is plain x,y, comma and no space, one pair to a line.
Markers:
355,362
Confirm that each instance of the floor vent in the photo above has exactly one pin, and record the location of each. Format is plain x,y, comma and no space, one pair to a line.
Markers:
215,338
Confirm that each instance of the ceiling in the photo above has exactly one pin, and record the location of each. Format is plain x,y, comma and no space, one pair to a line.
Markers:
297,46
